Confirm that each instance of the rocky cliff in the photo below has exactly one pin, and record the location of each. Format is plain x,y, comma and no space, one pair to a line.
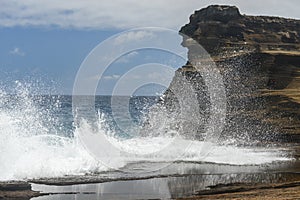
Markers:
259,59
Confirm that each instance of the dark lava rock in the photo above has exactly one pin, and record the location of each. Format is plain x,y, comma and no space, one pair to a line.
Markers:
16,190
219,13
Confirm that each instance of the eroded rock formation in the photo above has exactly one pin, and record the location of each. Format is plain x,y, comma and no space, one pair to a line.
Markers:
259,59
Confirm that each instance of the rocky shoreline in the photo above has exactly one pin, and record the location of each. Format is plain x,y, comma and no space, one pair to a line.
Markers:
179,186
289,190
14,190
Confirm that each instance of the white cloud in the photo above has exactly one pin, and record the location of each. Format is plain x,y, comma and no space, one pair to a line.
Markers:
111,77
123,14
133,36
107,77
17,51
126,58
132,54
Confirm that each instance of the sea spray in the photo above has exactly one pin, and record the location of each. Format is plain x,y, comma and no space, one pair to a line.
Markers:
31,147
34,143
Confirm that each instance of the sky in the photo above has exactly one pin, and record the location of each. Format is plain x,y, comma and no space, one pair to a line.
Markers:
46,41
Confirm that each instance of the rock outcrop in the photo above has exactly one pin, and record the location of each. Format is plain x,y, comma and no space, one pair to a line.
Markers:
17,190
223,28
259,59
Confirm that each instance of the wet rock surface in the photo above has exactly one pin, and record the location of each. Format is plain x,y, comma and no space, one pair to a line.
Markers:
14,190
290,190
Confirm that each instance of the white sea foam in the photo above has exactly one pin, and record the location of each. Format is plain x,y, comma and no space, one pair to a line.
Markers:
29,149
198,151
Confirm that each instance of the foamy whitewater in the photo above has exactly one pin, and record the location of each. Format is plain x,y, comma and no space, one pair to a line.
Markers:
33,143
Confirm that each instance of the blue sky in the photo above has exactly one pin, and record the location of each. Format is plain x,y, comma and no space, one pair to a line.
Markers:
46,41
46,55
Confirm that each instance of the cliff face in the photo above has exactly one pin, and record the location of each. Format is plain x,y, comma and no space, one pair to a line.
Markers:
259,58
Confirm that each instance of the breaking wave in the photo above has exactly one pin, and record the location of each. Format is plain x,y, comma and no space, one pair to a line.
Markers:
34,144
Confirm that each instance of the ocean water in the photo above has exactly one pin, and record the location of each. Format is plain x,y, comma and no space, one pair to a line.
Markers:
40,138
